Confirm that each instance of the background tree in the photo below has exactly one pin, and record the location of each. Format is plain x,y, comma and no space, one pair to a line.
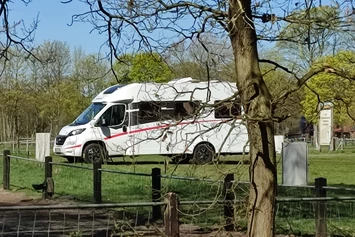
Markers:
191,59
15,37
333,88
316,35
279,82
90,73
142,67
43,96
48,73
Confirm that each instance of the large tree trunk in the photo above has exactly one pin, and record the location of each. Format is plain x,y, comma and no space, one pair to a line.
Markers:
256,101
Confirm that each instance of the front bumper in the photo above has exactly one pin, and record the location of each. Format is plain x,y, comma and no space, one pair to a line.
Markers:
67,146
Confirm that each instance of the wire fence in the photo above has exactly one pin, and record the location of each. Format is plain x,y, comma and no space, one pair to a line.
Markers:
295,213
135,219
299,217
84,220
24,146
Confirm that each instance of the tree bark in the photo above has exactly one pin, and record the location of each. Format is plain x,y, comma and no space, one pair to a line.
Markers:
256,101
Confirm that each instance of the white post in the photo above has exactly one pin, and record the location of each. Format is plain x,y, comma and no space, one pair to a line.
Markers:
316,136
42,145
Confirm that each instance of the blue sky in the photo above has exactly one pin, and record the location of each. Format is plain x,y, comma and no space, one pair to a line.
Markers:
54,23
55,18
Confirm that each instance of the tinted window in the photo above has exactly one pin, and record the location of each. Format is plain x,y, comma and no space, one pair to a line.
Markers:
165,110
149,111
185,109
114,115
228,109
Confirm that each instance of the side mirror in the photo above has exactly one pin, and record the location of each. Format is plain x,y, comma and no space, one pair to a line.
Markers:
124,128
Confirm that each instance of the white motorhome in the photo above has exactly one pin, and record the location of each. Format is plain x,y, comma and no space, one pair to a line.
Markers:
182,117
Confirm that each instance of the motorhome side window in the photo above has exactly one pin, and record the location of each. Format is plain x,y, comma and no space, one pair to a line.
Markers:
153,111
185,109
113,116
228,109
149,112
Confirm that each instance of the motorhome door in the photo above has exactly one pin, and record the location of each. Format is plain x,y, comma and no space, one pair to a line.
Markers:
113,128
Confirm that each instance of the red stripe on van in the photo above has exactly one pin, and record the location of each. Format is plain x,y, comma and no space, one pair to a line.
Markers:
160,126
71,147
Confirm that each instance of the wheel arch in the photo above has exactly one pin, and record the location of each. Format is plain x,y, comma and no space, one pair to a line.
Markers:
101,143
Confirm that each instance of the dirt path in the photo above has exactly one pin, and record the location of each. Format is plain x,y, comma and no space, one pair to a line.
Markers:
17,198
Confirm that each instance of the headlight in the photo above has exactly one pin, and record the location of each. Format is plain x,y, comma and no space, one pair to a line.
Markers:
76,132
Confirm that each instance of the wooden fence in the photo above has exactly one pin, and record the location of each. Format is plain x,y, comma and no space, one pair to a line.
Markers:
171,216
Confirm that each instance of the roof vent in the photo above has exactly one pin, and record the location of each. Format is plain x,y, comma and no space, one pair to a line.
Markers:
111,89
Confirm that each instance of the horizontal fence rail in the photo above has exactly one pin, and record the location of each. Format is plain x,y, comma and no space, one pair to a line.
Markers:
82,206
26,159
125,172
71,166
308,199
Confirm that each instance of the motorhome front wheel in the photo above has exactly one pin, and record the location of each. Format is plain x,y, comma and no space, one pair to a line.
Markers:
94,153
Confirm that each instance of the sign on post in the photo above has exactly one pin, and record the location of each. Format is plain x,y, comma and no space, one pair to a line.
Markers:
42,145
325,126
294,163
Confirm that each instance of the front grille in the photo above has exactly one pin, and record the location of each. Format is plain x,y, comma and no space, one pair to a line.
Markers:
59,140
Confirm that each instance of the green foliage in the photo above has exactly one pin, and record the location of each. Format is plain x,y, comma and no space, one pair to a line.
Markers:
326,87
278,82
142,67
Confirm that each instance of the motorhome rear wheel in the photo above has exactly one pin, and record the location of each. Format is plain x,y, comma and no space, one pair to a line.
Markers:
203,153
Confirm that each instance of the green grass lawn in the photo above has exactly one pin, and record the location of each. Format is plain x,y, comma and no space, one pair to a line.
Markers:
337,167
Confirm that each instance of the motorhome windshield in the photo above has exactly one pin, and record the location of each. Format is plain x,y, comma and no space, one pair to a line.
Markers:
88,114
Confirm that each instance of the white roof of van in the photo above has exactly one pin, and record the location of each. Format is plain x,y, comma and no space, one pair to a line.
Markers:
182,89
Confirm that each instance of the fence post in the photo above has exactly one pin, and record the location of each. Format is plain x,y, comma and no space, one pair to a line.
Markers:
49,188
156,188
97,183
229,197
6,170
171,216
321,208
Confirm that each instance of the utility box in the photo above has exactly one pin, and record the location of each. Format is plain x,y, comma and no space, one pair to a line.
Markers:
294,163
42,145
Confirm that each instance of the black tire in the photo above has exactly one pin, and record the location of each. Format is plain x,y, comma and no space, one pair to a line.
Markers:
94,153
203,154
72,159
